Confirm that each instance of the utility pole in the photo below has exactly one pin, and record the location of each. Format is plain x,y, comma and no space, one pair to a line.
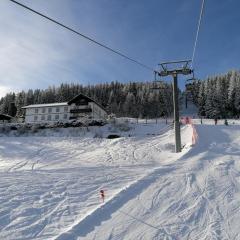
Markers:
185,70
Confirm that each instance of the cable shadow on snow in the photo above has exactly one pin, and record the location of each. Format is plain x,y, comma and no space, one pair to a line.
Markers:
104,213
139,220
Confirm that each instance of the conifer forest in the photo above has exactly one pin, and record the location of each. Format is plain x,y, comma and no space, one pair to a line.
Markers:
217,96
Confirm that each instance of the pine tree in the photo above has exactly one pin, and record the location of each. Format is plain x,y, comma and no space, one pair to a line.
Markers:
20,102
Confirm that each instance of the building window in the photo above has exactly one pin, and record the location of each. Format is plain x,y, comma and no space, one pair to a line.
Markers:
49,117
49,110
36,110
57,109
65,116
43,117
43,110
65,109
56,117
35,118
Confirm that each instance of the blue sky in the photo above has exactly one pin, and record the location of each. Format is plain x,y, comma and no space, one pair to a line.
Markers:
35,53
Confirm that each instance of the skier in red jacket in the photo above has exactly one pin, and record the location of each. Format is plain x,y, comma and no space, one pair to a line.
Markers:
102,195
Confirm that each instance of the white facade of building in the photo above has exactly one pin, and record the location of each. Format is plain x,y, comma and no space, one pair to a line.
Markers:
78,108
52,112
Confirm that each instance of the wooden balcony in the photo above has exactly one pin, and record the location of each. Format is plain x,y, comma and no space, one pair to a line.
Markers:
83,110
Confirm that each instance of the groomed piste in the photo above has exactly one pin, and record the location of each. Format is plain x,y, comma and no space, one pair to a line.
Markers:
50,186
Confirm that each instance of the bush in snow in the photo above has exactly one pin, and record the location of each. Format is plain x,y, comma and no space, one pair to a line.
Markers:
96,123
77,124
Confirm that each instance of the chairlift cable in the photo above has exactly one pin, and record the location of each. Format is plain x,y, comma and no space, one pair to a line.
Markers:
84,36
198,29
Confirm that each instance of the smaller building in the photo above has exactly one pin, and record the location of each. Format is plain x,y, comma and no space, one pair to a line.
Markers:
4,118
80,107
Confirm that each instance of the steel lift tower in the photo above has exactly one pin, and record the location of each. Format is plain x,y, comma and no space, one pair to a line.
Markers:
169,70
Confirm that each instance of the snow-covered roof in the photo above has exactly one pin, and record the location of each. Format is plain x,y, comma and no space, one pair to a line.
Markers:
46,105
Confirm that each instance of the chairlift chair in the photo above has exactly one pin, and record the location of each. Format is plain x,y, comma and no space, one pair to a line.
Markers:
189,83
157,83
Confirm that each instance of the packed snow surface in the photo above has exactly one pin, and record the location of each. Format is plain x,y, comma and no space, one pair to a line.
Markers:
49,186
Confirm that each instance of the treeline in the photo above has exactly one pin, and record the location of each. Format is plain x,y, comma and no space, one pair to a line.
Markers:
215,97
130,99
218,96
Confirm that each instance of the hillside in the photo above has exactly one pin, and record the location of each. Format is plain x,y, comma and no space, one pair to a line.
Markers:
195,197
50,185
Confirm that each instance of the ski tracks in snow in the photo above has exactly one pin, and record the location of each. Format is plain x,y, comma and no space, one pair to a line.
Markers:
29,160
103,213
198,199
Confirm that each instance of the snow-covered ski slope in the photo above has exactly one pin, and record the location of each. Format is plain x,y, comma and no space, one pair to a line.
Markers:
49,187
